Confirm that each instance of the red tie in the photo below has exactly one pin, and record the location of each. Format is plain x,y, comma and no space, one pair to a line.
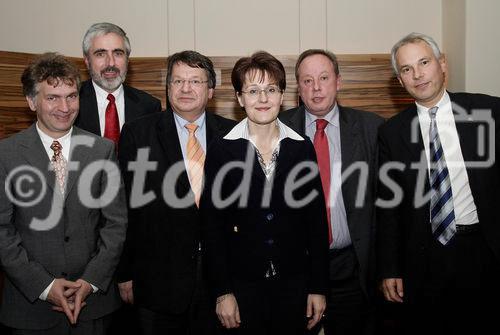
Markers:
112,125
323,155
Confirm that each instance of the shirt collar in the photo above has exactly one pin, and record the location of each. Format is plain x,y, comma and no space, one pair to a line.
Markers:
181,122
48,139
103,95
240,131
442,103
332,117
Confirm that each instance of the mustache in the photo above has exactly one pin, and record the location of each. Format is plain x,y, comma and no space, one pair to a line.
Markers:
111,69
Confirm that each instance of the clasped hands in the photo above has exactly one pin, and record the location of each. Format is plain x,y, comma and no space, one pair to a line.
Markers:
69,297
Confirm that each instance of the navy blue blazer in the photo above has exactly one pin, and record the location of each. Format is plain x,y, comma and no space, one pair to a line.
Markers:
240,239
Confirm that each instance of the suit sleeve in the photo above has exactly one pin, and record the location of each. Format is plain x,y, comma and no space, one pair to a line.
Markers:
317,238
29,276
101,268
127,153
214,221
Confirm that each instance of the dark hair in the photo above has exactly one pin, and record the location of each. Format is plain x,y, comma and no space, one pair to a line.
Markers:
192,59
50,67
260,63
310,52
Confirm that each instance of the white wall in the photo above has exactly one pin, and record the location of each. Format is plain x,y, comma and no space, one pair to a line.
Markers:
466,29
59,25
364,26
218,27
483,46
454,43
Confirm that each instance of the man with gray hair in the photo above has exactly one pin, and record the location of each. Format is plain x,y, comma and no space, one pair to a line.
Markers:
105,102
438,247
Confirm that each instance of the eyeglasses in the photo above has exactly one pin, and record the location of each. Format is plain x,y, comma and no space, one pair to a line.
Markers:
192,82
270,91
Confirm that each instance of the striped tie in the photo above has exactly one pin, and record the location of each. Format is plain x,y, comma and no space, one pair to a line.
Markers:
196,159
442,212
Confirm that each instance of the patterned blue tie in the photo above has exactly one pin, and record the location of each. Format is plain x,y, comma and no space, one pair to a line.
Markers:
442,212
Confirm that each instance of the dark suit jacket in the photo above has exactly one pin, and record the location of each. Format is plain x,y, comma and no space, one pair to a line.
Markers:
162,241
137,103
404,231
358,137
84,243
240,239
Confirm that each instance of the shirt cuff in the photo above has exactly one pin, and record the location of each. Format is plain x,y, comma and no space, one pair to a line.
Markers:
45,293
94,288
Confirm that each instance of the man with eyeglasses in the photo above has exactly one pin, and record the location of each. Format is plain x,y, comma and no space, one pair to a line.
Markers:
106,103
160,270
342,137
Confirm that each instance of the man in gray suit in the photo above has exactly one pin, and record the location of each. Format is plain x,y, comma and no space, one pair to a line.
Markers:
62,213
345,140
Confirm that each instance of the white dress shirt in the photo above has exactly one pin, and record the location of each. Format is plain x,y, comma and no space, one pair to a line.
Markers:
65,142
102,103
463,201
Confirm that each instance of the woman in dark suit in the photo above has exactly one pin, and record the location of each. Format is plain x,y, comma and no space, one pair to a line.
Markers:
263,213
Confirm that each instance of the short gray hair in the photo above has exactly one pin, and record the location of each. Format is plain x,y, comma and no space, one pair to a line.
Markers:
413,38
103,28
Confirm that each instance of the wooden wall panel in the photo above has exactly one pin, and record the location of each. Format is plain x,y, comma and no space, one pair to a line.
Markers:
367,83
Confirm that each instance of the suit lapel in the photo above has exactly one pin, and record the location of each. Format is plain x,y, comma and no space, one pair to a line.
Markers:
286,157
298,122
33,151
467,134
79,154
411,137
89,115
466,130
411,134
169,140
214,129
131,102
349,146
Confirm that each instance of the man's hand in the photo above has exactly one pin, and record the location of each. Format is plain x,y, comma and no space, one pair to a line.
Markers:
227,311
126,291
80,295
57,298
392,288
316,304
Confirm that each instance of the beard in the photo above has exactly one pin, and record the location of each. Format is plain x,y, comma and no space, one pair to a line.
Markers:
108,85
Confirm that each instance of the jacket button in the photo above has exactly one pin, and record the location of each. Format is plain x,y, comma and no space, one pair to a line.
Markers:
66,239
270,241
270,216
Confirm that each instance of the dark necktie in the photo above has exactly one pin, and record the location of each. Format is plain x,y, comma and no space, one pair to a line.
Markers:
323,155
112,124
442,212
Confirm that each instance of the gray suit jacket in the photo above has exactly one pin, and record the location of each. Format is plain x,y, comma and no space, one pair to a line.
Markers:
358,137
84,241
